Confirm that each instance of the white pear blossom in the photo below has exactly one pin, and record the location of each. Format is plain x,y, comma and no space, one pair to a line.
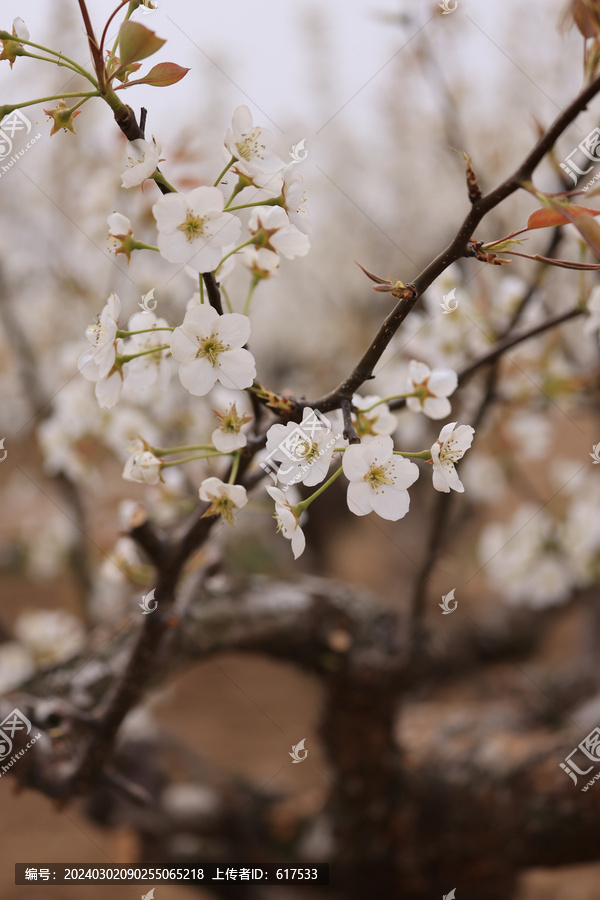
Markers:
279,234
16,666
433,387
250,145
97,363
210,349
294,199
50,636
524,559
142,465
378,420
142,160
592,323
152,368
305,450
102,336
262,263
224,498
287,521
193,229
229,435
451,445
378,479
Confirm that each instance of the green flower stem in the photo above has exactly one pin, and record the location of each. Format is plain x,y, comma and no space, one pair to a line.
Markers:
424,454
178,462
159,178
231,252
165,451
300,507
201,283
121,360
235,466
237,190
7,110
61,59
253,283
225,170
227,300
273,201
138,245
387,400
126,334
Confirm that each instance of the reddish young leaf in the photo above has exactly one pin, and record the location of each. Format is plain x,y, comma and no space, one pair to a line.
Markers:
137,42
548,218
163,75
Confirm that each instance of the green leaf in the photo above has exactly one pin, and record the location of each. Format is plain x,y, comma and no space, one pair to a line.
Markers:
137,42
163,75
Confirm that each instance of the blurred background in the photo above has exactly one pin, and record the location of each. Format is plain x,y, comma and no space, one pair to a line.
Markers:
380,93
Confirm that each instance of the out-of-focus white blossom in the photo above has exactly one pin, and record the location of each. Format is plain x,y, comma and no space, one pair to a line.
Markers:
16,666
433,388
50,636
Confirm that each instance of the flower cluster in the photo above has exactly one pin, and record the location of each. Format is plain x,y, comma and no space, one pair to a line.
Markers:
202,230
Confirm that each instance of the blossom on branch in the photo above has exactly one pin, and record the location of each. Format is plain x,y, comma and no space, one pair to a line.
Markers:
250,145
210,349
432,388
378,479
142,465
451,446
142,160
193,229
272,229
224,498
287,521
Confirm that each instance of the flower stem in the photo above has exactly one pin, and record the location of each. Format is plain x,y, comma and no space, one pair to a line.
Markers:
424,454
162,451
386,400
300,507
272,201
225,170
254,282
159,178
231,252
234,467
125,334
121,360
177,462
